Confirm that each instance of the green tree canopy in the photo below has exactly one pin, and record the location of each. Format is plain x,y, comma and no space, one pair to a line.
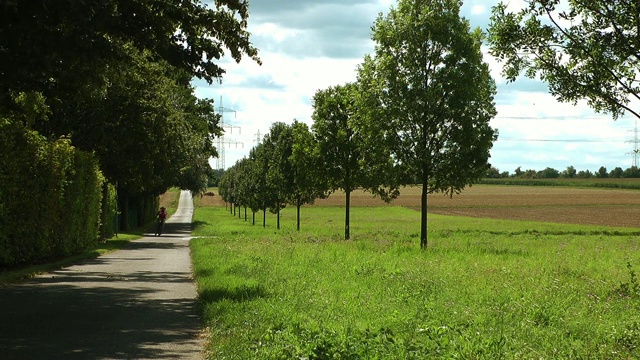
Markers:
333,111
602,172
115,76
263,195
582,49
434,96
309,182
280,172
48,42
616,172
569,172
548,173
147,128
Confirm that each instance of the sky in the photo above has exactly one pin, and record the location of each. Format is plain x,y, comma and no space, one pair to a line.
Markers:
309,45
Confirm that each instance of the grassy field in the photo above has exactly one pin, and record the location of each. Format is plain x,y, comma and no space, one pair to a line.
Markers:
486,288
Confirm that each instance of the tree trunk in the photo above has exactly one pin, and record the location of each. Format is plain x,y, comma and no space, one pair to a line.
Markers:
245,213
124,213
423,217
278,217
254,217
347,235
106,217
298,216
264,217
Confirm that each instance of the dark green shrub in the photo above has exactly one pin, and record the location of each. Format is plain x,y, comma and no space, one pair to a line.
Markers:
108,212
50,202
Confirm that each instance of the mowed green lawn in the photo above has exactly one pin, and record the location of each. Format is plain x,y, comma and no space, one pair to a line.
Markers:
484,289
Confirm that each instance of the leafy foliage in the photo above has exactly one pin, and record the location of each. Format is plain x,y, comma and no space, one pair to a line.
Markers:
280,172
113,79
432,96
309,182
338,141
582,49
45,43
50,208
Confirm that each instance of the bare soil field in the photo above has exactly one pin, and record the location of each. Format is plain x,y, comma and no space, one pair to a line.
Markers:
611,207
594,206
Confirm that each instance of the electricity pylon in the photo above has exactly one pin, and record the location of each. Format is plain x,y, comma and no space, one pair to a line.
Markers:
636,141
221,142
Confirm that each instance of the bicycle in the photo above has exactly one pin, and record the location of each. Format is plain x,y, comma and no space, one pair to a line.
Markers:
159,226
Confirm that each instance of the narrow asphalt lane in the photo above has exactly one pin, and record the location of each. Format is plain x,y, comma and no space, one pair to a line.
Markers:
135,303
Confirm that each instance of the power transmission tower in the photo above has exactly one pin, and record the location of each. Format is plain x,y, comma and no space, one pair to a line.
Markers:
636,142
257,140
221,141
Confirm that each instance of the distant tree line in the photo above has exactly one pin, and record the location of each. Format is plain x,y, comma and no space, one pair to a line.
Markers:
418,114
569,173
96,100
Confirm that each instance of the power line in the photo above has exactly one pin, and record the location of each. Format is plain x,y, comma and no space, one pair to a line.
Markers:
221,142
635,141
559,140
554,117
258,138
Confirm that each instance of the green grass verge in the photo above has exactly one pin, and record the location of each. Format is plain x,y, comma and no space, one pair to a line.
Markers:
485,289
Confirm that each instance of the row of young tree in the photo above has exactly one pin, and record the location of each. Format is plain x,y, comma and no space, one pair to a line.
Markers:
569,173
418,114
422,101
112,78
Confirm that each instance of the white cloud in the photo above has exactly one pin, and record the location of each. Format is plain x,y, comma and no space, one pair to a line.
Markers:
274,31
309,45
478,9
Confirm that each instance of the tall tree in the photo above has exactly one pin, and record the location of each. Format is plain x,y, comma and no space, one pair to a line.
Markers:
602,172
569,172
279,142
244,183
308,179
203,125
434,96
263,195
582,49
337,141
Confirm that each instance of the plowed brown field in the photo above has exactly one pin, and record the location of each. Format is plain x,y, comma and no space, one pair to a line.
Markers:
611,207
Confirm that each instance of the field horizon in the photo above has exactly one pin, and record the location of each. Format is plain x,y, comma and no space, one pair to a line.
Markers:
559,204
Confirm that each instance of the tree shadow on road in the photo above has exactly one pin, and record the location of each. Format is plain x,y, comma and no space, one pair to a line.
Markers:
73,322
107,309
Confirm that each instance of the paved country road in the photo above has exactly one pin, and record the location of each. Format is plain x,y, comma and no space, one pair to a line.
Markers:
135,303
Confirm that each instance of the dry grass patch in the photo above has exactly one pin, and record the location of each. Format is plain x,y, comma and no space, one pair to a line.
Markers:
211,198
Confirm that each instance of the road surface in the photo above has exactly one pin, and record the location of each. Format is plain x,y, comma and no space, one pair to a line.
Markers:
135,303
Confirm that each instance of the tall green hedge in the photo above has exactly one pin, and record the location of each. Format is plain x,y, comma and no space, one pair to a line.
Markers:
50,202
109,209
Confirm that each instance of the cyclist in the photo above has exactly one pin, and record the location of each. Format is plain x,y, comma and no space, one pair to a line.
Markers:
162,216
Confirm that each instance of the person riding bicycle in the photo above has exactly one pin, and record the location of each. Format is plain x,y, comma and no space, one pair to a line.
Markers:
162,216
